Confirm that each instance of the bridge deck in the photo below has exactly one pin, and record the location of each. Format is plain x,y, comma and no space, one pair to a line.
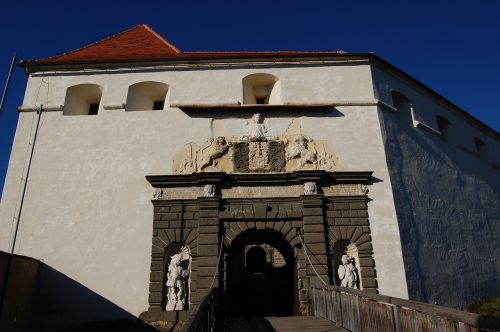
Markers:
288,324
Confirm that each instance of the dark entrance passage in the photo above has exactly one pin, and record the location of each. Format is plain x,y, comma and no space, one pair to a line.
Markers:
260,275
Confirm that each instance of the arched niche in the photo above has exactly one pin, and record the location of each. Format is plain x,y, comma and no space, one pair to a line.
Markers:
82,99
146,96
261,89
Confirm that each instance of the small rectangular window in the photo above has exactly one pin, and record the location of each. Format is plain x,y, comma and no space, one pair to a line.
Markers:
158,105
93,109
260,101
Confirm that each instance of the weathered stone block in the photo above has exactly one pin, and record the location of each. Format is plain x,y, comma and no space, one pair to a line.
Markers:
349,213
208,250
368,272
359,221
369,282
208,213
155,297
155,287
365,261
314,238
157,266
175,224
357,206
362,213
315,228
208,261
260,210
342,222
341,206
156,276
212,238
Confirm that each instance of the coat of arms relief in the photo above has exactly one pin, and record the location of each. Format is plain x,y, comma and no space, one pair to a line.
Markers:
257,151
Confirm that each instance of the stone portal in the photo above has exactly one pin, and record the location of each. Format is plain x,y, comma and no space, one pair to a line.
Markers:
311,218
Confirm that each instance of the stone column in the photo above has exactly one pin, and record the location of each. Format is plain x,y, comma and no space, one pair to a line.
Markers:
314,239
205,264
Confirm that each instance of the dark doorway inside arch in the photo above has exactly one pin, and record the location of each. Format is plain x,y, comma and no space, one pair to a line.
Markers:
261,271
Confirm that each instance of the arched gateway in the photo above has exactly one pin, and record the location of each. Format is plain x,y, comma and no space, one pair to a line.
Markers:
228,220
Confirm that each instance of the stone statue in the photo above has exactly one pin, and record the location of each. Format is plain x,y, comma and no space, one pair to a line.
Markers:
209,190
176,284
310,188
301,150
215,149
348,273
257,130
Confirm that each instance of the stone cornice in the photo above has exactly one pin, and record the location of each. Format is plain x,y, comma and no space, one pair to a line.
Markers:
235,179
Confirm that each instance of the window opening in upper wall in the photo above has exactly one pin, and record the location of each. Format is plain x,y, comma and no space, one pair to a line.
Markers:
82,99
443,125
480,147
404,106
261,89
146,96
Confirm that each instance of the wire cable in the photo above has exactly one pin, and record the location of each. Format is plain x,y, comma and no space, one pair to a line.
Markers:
307,256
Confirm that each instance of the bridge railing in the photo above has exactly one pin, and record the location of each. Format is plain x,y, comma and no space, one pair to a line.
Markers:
362,311
202,317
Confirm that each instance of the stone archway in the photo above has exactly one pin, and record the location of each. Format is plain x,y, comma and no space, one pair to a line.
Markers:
260,292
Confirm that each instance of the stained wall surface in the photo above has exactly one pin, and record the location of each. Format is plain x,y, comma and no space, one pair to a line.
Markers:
447,197
87,212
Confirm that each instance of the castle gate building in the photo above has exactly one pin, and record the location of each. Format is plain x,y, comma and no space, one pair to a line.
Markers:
159,174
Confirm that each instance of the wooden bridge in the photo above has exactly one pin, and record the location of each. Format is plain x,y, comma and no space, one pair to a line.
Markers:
340,309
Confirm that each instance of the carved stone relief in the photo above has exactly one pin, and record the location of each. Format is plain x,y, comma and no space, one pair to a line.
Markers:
310,188
209,190
177,285
256,152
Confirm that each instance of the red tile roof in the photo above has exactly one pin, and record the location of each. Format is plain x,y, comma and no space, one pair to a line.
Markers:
141,43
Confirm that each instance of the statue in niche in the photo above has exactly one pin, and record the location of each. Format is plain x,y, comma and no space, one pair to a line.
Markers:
177,277
348,273
209,190
301,150
215,149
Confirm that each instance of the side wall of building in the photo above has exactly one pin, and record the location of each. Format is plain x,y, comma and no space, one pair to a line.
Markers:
87,212
447,196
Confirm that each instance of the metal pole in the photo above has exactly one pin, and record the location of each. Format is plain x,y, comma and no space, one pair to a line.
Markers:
8,81
18,219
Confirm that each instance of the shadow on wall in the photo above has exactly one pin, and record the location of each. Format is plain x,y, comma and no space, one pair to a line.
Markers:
61,303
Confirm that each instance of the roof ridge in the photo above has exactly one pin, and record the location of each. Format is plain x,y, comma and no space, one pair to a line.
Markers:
163,39
111,37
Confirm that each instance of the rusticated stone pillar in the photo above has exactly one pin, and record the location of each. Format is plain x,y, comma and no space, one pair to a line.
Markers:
205,264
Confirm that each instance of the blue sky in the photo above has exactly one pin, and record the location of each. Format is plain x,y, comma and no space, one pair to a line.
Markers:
451,46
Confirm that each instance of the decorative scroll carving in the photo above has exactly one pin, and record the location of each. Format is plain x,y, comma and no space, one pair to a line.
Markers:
178,281
209,190
241,157
348,273
256,152
310,188
277,156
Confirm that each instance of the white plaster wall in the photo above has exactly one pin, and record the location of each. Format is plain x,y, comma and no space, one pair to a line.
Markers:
447,200
87,212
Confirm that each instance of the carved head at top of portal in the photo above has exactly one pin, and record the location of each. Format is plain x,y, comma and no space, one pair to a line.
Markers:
256,118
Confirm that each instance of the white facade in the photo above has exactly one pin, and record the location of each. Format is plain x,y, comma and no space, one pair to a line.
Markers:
87,212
